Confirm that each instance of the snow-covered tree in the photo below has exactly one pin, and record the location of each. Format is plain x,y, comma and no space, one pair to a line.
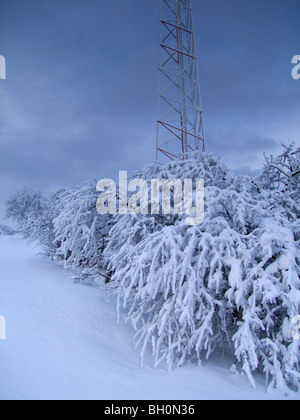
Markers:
233,281
79,231
283,172
25,208
44,224
6,230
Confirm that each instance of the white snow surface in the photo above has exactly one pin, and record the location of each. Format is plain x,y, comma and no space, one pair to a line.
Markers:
63,342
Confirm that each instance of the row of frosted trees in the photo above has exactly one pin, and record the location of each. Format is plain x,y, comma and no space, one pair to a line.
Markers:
231,283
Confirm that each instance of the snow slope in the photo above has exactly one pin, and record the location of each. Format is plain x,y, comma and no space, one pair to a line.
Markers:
63,342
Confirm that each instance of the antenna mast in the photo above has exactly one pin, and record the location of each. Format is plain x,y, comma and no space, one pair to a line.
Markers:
180,121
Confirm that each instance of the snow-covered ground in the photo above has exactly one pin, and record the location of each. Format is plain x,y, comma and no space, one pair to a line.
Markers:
63,342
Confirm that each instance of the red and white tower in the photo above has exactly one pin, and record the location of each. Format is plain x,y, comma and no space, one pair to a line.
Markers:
180,121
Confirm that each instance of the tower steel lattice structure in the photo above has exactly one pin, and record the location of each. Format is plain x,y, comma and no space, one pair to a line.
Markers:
180,118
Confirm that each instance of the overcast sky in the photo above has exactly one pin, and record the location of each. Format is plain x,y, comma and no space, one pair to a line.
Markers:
80,99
